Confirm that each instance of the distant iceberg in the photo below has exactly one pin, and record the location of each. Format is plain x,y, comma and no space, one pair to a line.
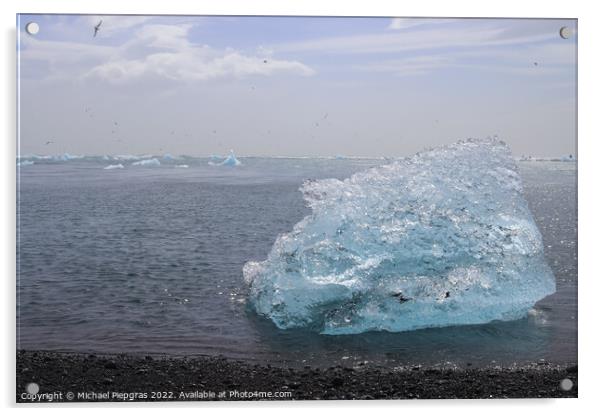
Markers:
118,166
40,157
147,162
441,238
231,160
66,156
126,157
182,166
25,163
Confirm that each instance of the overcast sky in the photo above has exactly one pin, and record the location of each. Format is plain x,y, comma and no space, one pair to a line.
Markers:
293,85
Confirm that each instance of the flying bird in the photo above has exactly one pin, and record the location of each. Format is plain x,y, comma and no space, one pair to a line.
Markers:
97,28
49,142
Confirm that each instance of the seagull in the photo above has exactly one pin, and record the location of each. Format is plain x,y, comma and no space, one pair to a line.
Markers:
265,61
49,142
535,63
97,27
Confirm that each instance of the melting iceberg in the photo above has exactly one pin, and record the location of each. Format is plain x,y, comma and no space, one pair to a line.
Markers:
440,238
231,160
147,162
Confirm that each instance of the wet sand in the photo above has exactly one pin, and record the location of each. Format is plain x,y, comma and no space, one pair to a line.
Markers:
64,377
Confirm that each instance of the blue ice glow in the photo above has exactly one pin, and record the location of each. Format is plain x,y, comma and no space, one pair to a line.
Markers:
440,238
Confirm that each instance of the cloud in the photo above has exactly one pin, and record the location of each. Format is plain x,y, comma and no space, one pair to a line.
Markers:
457,35
112,25
152,51
400,23
555,58
415,46
202,64
417,65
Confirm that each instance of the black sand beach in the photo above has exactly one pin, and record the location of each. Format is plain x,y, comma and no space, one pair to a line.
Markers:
83,377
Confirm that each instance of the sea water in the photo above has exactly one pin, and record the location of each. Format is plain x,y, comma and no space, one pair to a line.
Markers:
148,259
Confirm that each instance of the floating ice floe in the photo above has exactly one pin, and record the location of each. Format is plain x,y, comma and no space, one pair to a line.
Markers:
441,238
25,163
231,160
147,162
181,166
117,166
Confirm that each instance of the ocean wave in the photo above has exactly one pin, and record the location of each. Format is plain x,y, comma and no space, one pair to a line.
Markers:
147,163
118,166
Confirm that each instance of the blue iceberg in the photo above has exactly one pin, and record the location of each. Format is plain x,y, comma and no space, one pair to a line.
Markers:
231,160
441,238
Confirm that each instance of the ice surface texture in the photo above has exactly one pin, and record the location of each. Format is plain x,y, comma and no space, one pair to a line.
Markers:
440,238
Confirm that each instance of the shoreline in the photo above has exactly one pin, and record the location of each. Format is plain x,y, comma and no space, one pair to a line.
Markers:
78,377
